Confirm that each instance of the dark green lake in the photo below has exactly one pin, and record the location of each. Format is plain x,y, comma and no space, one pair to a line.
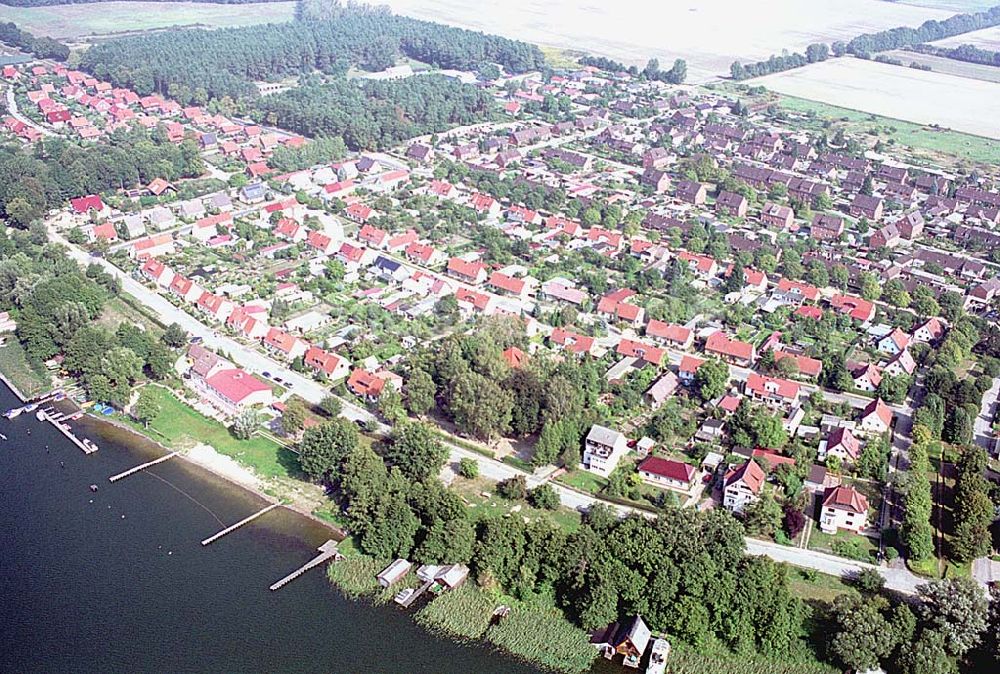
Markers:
117,580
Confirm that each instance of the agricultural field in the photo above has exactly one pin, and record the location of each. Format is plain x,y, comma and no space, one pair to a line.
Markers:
72,22
709,34
947,66
932,144
959,103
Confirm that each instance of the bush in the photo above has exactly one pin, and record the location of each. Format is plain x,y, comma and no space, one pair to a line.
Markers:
868,581
468,468
513,489
544,497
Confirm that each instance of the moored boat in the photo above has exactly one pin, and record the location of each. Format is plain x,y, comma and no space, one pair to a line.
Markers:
658,657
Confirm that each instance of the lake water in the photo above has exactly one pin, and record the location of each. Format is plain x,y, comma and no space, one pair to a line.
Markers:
117,580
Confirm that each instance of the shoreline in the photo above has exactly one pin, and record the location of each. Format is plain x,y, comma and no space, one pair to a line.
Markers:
226,468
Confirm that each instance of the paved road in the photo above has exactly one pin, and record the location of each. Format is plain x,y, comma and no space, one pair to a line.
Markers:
984,421
16,114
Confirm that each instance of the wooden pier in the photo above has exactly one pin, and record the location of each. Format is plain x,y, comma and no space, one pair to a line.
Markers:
115,478
236,526
87,446
327,551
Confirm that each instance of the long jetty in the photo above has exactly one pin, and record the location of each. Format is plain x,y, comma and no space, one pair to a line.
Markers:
234,527
327,551
115,478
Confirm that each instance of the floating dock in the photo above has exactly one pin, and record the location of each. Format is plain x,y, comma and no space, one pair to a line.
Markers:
236,526
119,476
327,551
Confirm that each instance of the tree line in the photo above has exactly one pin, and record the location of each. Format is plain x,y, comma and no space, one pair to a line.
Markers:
42,47
376,115
967,52
903,36
56,170
815,53
226,62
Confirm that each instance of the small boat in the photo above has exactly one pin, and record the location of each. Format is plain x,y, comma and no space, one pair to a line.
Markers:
2,436
40,415
658,657
93,487
30,407
13,412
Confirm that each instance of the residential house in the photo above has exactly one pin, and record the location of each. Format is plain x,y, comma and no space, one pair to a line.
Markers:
894,343
280,342
603,449
688,366
772,392
929,332
676,336
661,389
732,351
473,273
233,390
742,486
731,203
876,418
866,376
843,508
776,215
331,365
865,206
667,474
842,444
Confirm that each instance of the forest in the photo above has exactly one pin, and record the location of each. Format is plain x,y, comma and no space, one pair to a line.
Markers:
226,62
376,115
903,36
42,47
57,170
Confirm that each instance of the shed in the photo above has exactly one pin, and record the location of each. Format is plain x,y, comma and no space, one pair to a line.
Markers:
394,573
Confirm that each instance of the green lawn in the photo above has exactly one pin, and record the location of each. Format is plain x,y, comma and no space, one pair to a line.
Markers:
917,136
584,481
817,586
843,543
180,426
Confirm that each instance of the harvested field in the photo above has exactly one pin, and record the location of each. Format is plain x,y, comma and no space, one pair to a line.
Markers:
71,22
947,66
709,34
959,103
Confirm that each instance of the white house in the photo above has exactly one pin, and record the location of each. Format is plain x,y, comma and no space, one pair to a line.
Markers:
743,486
603,449
843,508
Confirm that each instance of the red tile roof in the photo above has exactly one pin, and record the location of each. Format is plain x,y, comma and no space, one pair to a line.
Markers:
235,385
846,498
749,474
720,342
668,468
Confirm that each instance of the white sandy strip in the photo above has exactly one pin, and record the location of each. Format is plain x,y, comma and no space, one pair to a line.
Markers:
224,466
